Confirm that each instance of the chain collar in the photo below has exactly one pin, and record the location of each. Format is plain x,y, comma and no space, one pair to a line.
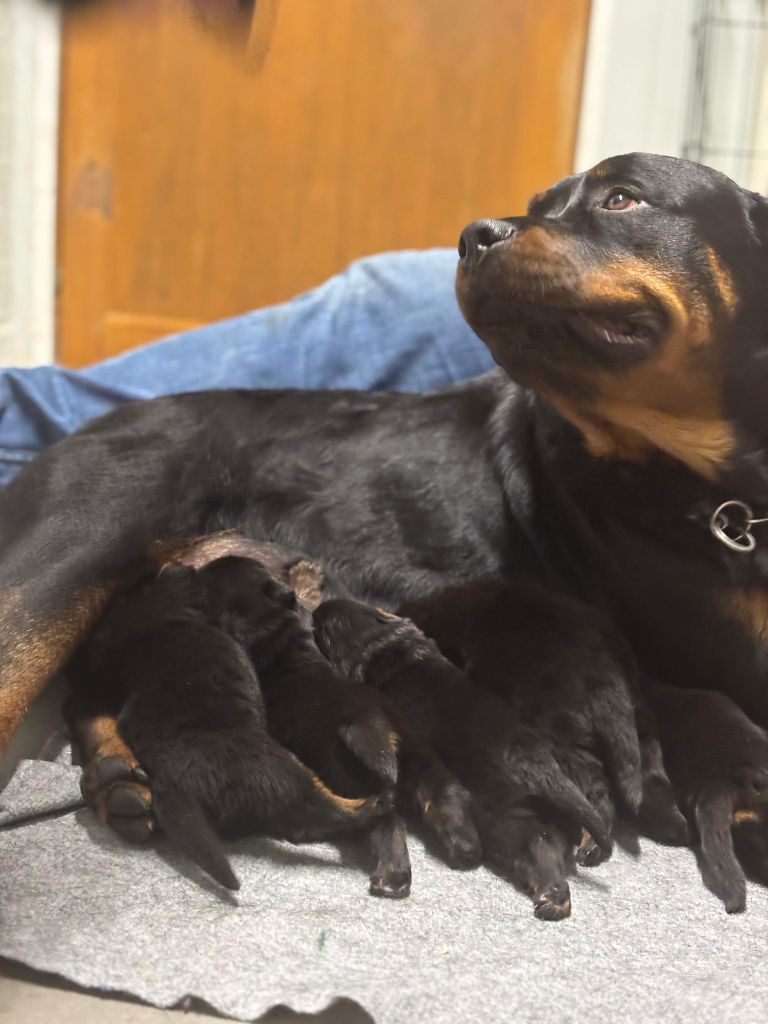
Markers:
731,523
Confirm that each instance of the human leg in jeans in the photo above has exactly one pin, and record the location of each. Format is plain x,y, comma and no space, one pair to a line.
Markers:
387,321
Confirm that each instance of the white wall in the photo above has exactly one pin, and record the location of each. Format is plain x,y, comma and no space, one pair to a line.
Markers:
636,80
29,73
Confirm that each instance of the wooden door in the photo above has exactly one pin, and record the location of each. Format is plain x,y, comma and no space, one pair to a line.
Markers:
200,178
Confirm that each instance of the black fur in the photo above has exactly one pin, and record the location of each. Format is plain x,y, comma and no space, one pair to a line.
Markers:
567,674
718,762
633,346
525,807
347,733
189,703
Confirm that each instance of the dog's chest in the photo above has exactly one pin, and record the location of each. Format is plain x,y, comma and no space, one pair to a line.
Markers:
748,606
695,626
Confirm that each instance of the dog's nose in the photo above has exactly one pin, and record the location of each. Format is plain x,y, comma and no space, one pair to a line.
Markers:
481,235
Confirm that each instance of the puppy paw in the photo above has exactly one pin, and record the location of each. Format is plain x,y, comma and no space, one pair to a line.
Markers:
552,903
373,741
736,902
373,807
589,854
659,817
448,815
120,795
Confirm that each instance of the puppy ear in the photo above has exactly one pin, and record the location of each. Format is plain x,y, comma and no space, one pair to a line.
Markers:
176,571
280,592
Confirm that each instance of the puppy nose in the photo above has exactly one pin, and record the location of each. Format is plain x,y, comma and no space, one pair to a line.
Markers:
481,235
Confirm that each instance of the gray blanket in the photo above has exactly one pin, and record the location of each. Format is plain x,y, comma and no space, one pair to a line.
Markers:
646,941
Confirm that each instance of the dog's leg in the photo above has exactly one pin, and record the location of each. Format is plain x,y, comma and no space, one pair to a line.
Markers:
113,783
658,815
584,768
750,837
392,875
286,799
82,520
36,636
443,804
720,869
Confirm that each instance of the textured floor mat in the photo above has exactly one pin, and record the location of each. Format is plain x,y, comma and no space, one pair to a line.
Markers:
646,942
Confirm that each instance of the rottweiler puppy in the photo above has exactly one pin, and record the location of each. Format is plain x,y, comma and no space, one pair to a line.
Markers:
189,704
566,672
337,728
426,790
718,762
529,813
621,450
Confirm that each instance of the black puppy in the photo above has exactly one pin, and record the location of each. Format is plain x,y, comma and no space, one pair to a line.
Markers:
337,728
566,672
718,762
188,702
529,814
426,789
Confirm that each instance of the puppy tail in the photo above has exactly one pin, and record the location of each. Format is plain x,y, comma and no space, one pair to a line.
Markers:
186,824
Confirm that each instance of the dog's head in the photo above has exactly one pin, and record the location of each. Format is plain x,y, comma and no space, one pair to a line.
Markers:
354,636
241,594
632,297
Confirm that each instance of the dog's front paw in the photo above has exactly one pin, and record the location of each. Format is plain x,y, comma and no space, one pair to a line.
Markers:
589,854
447,813
553,903
119,794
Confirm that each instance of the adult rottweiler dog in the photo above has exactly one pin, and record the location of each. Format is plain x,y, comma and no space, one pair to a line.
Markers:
620,452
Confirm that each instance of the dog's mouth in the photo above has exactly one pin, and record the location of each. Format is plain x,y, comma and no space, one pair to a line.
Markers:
633,328
524,325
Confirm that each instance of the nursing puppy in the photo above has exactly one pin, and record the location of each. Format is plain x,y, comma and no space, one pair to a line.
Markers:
426,790
564,670
188,702
718,762
347,733
529,814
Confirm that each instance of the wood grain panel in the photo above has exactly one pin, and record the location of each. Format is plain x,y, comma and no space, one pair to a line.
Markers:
199,180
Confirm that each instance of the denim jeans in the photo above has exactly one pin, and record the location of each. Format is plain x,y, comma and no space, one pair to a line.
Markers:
388,321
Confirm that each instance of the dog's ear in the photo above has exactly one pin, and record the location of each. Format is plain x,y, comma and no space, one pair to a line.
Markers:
757,215
281,593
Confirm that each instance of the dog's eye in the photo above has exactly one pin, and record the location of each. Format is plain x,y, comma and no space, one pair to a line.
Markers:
618,201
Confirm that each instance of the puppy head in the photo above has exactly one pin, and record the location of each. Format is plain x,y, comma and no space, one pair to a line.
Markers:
351,634
540,857
630,297
243,590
